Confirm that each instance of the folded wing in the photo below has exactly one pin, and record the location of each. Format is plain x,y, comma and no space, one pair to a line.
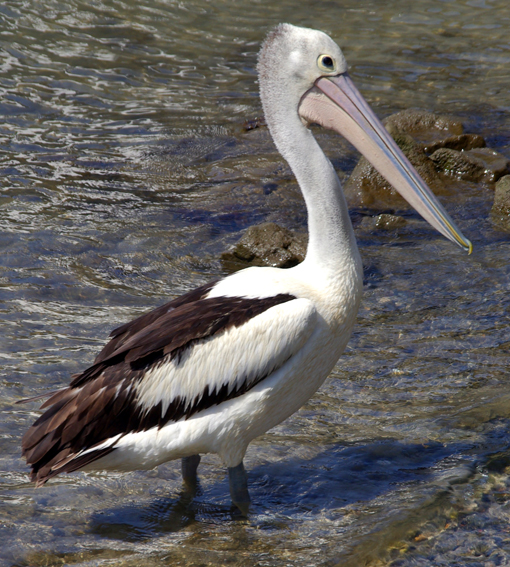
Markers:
166,366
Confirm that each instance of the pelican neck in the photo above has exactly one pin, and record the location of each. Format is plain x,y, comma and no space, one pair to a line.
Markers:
331,242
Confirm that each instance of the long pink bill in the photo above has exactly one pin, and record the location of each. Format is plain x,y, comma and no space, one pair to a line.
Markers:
336,103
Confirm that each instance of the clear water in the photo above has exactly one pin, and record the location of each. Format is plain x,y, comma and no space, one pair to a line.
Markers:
125,172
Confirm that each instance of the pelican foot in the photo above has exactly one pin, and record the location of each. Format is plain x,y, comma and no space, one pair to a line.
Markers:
189,466
238,480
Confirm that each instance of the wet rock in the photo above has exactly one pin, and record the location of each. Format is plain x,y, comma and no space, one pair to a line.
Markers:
268,188
457,164
460,142
496,164
384,221
266,244
422,125
500,212
367,188
254,123
481,164
438,148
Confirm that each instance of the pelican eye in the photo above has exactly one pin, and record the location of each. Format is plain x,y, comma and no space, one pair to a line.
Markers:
326,63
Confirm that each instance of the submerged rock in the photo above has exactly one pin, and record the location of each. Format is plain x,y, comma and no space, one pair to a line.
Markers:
384,221
266,244
258,122
500,212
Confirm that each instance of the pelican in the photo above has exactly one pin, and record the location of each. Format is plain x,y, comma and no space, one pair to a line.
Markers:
210,371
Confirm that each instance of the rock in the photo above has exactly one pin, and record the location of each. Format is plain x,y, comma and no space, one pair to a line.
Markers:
457,164
254,123
460,142
422,125
266,244
386,221
413,130
367,188
496,165
383,221
453,154
500,212
502,195
268,188
482,164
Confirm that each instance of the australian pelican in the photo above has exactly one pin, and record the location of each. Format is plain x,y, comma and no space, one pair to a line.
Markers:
211,370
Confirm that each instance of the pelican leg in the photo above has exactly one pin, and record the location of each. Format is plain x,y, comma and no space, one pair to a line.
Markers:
189,466
238,480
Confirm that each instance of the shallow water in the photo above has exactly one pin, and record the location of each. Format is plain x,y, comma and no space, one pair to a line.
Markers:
126,172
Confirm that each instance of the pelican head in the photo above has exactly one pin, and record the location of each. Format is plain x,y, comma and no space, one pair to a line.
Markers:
303,79
295,58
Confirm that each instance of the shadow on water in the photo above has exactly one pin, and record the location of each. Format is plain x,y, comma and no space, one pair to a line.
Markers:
333,480
135,523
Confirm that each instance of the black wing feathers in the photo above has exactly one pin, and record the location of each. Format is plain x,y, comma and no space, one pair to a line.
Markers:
100,403
121,334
